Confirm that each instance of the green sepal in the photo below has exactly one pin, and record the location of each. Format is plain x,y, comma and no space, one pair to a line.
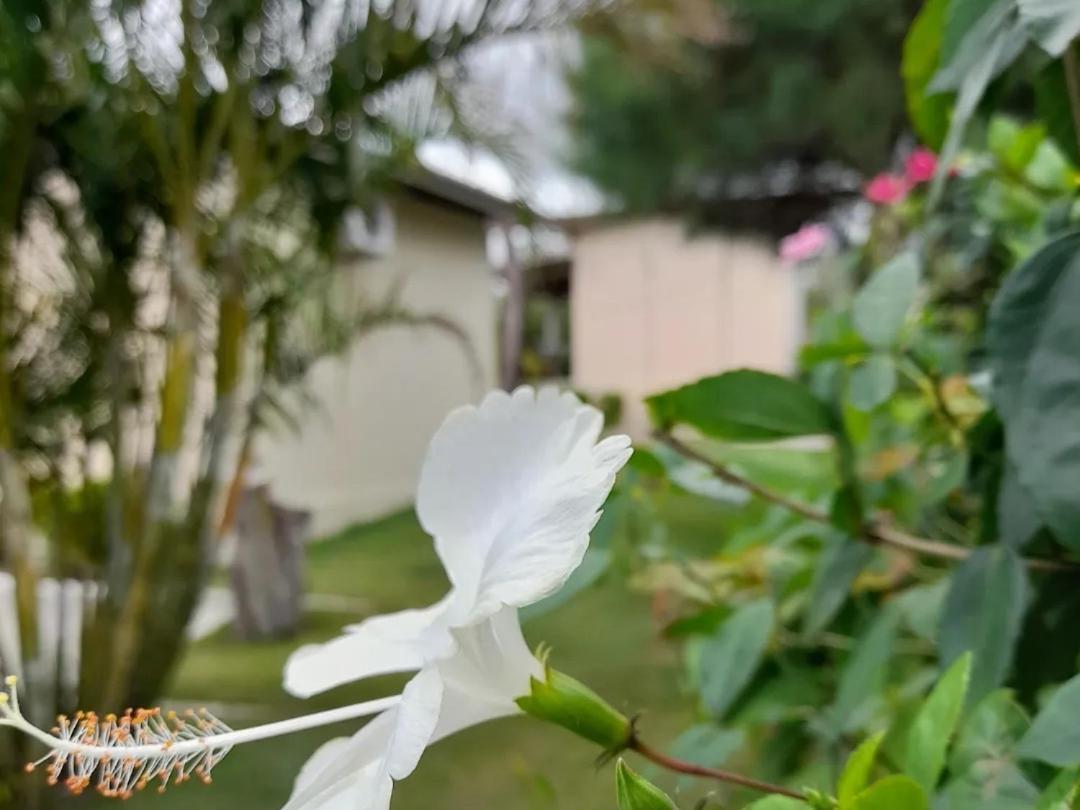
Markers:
567,702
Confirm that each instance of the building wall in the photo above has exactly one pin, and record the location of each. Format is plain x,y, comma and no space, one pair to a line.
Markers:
358,454
652,308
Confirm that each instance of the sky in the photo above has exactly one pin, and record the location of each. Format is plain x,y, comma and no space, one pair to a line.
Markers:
524,95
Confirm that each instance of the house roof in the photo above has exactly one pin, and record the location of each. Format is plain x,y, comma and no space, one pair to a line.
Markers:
430,183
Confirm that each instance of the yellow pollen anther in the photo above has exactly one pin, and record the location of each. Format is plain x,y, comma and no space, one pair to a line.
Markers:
11,680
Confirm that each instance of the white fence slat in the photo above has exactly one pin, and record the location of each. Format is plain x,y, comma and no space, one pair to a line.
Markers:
74,604
10,646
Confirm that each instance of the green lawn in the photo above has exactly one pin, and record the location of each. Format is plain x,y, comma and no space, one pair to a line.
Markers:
603,636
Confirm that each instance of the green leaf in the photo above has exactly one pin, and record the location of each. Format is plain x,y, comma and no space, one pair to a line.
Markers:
1033,339
845,511
987,46
777,803
922,50
1051,23
863,674
872,382
922,607
856,772
992,785
633,792
743,405
839,564
730,658
1051,90
1054,737
960,17
935,724
881,307
892,793
704,622
983,614
982,762
989,733
1017,515
1012,143
1062,792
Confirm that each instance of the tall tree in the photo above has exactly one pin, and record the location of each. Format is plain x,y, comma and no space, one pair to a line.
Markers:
741,86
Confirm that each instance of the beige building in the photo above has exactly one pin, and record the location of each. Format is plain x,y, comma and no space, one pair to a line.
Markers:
358,454
650,308
653,307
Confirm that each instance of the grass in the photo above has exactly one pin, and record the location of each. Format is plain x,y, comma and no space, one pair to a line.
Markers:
604,636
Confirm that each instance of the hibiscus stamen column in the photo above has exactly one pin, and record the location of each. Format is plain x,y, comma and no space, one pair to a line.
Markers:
121,754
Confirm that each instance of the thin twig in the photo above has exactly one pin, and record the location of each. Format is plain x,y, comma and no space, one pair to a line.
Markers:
876,533
681,766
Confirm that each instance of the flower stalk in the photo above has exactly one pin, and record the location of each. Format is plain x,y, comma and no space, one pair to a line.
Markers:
689,768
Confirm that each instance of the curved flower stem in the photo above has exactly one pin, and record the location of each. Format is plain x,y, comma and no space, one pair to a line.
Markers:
681,766
875,533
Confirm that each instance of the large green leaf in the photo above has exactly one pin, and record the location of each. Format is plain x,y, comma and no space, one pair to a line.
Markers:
983,614
1054,737
1034,343
922,51
935,723
881,307
733,654
743,405
1051,23
633,792
892,793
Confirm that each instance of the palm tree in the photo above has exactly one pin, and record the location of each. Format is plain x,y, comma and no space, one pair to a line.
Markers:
189,162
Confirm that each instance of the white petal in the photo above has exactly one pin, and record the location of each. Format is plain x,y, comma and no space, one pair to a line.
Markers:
358,773
418,715
510,491
396,642
347,773
489,671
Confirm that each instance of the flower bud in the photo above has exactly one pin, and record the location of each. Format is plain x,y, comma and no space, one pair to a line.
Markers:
567,702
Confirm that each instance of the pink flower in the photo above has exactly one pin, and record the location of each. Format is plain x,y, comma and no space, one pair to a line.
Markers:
920,166
809,242
886,189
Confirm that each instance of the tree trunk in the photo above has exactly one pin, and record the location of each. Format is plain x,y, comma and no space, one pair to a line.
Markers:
513,324
267,571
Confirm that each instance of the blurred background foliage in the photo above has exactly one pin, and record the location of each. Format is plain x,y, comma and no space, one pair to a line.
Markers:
934,411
